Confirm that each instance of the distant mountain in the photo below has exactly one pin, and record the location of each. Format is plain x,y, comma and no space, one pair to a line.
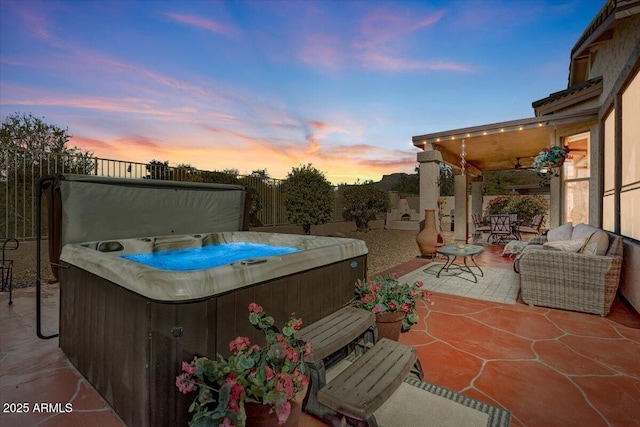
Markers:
389,181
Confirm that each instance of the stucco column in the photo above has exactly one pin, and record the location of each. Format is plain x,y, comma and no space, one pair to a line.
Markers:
596,186
476,195
461,184
555,194
429,178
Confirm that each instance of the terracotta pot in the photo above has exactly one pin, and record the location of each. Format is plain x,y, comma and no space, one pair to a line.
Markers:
258,414
429,238
389,325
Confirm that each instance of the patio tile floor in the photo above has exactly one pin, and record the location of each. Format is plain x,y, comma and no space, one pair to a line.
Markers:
548,367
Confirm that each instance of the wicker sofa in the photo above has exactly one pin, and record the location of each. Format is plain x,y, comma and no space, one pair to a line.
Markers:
568,279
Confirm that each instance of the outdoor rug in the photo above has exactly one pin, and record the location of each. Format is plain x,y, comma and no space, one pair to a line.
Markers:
421,404
498,284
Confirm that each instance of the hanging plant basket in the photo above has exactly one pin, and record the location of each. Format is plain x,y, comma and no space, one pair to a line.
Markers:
548,161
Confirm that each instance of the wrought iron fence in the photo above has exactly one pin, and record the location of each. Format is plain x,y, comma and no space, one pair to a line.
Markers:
21,169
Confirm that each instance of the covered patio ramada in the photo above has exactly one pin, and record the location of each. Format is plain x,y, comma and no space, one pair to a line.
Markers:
596,116
502,146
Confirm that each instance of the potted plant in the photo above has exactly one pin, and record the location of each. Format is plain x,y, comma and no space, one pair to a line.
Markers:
394,304
550,158
253,382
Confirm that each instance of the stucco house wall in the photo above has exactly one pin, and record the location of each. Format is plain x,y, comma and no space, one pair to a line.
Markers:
612,55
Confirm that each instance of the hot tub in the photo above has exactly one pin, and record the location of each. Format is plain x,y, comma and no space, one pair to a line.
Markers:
127,326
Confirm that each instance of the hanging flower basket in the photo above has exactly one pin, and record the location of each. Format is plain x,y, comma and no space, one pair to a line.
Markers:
548,161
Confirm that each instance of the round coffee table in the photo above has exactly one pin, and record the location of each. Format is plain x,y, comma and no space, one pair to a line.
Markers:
452,252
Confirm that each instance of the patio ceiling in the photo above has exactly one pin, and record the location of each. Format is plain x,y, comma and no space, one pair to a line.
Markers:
496,146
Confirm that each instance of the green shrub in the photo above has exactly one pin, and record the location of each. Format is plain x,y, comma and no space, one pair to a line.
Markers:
308,197
526,207
362,203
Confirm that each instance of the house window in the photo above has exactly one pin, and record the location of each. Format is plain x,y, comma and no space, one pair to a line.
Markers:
576,174
630,182
621,197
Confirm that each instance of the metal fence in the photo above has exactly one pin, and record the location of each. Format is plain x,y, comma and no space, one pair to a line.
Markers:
20,171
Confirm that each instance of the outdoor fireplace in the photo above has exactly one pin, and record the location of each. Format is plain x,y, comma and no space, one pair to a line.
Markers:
403,217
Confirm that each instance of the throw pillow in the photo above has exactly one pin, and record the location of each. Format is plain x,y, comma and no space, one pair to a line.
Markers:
560,233
597,244
583,231
565,245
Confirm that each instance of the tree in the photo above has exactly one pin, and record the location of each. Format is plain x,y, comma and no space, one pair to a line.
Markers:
308,197
362,203
30,149
447,180
408,184
27,141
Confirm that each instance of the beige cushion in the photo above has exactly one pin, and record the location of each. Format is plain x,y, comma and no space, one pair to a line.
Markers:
561,233
573,245
597,244
583,231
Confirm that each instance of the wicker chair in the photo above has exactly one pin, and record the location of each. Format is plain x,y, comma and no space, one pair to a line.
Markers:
572,281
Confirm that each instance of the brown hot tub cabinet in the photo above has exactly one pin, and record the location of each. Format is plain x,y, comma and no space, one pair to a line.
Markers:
127,327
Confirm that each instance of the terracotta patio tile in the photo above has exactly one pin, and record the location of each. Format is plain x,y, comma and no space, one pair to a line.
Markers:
527,325
628,333
448,367
444,303
567,361
537,394
617,398
581,324
621,354
479,339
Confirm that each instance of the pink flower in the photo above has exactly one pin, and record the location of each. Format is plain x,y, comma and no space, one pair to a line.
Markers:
425,294
419,284
234,393
292,354
281,339
185,383
376,310
413,293
285,383
239,344
226,423
189,368
405,307
308,348
283,412
392,306
269,372
298,324
255,308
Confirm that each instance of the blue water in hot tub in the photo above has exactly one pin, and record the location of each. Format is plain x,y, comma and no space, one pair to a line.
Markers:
209,256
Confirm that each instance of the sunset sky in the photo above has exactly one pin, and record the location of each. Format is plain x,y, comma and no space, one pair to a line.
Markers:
343,85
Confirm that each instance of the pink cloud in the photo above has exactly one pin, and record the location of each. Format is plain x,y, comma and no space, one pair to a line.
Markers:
321,50
390,63
216,27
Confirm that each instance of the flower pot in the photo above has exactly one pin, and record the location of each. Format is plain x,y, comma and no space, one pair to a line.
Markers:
389,325
429,238
258,415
